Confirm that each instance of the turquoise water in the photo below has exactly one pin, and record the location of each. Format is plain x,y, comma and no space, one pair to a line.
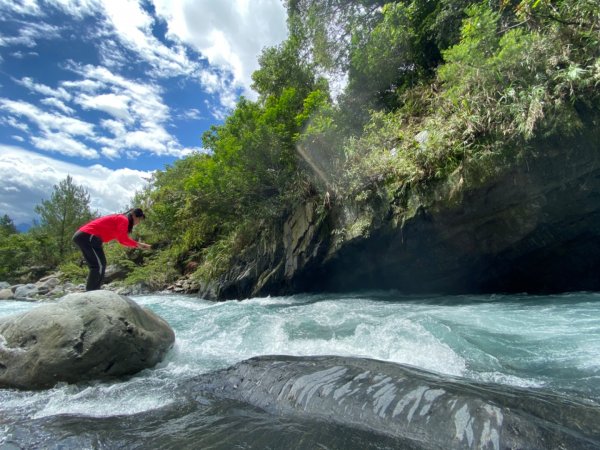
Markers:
548,343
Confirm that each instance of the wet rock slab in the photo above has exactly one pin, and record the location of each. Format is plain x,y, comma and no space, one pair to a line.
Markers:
407,403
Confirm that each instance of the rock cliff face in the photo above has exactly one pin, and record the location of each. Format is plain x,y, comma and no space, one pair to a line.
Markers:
533,228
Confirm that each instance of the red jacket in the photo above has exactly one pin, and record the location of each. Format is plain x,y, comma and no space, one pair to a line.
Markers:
110,227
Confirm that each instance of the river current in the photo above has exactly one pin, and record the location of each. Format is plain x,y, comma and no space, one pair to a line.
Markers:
547,344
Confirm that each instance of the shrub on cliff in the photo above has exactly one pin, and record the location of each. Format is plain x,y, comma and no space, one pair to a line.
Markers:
516,75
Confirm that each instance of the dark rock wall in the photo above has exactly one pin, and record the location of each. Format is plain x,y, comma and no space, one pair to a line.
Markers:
533,228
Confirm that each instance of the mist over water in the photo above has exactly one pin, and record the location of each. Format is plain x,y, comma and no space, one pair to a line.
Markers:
548,343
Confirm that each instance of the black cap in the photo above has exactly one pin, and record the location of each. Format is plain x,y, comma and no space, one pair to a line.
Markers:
137,212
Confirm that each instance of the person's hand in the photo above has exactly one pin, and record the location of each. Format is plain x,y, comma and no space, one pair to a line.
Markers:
144,246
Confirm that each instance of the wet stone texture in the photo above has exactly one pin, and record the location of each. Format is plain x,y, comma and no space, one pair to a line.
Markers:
407,403
89,336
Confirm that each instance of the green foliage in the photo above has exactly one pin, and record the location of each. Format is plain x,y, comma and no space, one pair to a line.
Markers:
73,272
217,258
514,76
17,251
67,209
385,47
249,175
281,68
325,28
7,226
393,56
252,156
157,271
121,256
516,83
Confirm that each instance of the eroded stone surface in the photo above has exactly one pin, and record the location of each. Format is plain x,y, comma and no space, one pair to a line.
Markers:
85,336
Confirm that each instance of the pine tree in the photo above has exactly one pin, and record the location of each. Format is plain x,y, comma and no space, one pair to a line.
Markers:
60,216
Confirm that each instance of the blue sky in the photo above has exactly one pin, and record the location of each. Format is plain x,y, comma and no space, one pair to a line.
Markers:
108,91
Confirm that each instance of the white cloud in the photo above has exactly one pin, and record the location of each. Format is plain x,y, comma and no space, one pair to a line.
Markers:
116,105
114,126
20,6
110,152
82,85
218,83
230,34
64,144
15,123
124,20
45,120
29,34
40,88
138,116
27,178
77,8
58,104
23,55
133,26
56,131
190,114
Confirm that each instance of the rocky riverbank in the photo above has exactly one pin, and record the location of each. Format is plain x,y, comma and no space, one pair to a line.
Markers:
532,227
54,286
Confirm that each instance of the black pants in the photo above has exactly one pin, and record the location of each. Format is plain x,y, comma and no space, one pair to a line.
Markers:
91,247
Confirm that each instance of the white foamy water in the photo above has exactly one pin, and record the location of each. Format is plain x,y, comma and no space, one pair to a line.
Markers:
549,342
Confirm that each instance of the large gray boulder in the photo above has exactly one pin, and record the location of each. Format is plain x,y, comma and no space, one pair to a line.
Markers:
84,336
26,291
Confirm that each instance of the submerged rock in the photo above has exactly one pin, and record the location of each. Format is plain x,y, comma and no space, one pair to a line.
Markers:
406,403
85,336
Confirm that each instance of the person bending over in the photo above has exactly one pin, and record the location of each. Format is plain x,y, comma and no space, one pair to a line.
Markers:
90,237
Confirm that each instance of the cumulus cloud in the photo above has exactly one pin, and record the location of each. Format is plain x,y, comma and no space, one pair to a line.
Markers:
58,142
140,116
137,116
230,34
46,120
190,114
114,104
103,109
27,178
133,26
58,104
56,132
14,123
